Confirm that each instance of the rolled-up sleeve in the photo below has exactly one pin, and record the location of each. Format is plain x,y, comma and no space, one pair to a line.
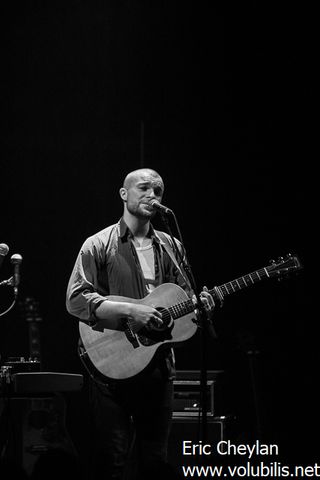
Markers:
84,293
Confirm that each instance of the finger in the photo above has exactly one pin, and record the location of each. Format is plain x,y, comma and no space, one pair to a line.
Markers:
206,304
207,301
155,322
158,321
205,293
211,303
155,318
208,296
157,314
194,300
204,296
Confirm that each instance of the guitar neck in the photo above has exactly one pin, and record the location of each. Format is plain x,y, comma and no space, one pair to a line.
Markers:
240,283
283,267
218,293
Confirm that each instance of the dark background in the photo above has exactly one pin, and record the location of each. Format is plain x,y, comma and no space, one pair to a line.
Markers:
220,101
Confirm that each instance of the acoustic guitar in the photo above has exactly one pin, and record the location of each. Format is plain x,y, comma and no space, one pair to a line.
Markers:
122,354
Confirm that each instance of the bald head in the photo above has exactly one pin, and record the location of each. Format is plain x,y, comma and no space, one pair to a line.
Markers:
142,174
140,187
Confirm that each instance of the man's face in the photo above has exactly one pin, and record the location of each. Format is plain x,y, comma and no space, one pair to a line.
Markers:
143,188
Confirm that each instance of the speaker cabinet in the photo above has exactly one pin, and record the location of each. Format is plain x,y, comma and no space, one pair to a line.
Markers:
187,393
188,429
34,426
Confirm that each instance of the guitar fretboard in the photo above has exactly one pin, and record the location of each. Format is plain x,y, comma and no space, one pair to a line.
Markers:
242,282
291,263
181,309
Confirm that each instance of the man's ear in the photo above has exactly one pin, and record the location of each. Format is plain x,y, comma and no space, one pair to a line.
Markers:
123,193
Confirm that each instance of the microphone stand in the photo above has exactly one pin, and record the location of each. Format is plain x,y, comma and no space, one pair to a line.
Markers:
10,283
183,261
13,281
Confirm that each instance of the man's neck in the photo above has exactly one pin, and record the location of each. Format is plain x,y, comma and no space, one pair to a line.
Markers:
139,227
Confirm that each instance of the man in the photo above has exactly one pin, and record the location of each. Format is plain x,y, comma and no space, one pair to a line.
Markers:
129,259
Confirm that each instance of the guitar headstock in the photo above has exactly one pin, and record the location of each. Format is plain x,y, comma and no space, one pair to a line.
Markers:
284,266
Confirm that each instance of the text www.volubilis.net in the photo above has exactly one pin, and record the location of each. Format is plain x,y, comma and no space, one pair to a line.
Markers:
262,470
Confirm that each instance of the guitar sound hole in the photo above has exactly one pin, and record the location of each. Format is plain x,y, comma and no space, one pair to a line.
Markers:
157,333
167,321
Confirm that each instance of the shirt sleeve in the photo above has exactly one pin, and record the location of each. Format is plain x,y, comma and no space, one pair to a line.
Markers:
84,294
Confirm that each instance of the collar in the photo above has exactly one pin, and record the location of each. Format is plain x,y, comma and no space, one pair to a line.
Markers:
125,232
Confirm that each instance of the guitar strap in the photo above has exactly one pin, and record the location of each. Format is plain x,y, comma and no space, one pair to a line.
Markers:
168,248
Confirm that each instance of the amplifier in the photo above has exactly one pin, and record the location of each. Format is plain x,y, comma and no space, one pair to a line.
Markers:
21,364
46,382
187,393
29,383
188,428
186,400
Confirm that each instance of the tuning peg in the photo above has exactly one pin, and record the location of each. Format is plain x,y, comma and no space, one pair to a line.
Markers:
280,259
272,262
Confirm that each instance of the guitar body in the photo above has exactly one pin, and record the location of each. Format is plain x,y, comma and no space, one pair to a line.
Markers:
115,356
120,355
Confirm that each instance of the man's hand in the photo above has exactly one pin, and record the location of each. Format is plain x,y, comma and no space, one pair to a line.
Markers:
143,316
207,301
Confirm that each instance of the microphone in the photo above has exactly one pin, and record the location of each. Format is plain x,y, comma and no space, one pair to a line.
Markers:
161,208
4,249
16,260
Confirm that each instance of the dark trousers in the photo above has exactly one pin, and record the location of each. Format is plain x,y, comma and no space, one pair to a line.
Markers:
131,426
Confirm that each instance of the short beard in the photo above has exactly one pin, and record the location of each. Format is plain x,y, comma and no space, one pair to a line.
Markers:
142,214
